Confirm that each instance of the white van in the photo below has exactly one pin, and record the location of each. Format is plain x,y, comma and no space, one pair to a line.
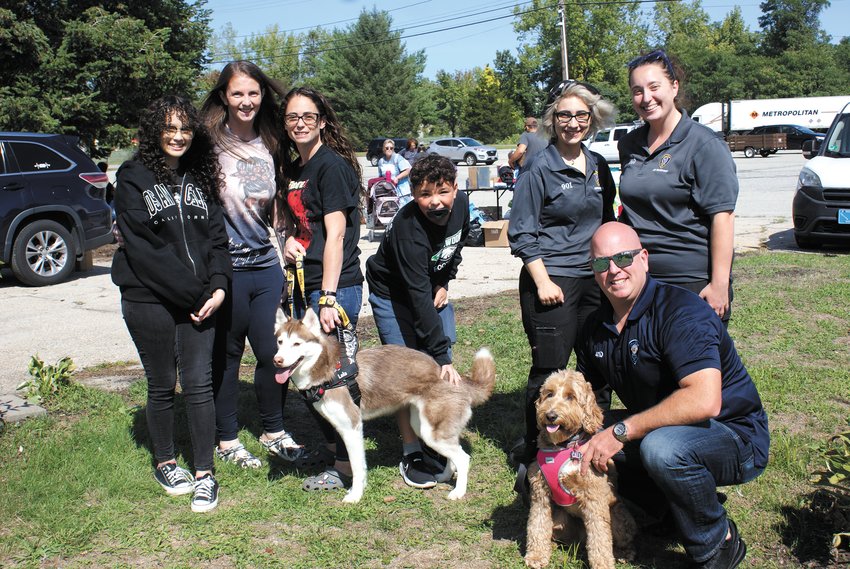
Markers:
821,206
605,141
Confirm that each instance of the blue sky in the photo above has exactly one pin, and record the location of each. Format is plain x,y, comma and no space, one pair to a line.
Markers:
480,27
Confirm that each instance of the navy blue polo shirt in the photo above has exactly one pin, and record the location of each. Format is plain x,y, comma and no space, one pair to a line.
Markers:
669,196
557,208
670,334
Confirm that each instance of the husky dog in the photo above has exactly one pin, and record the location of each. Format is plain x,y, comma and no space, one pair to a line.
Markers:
389,378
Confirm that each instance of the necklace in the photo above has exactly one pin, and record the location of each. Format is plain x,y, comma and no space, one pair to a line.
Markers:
572,161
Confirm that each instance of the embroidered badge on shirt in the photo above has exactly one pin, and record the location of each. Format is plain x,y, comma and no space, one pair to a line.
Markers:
634,348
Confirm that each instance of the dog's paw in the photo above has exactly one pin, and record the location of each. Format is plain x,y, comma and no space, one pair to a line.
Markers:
536,560
352,497
456,494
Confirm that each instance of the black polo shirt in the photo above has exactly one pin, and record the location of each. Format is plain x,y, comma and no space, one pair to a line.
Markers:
669,196
670,334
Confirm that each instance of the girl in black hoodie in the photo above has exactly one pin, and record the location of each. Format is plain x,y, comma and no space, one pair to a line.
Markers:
173,268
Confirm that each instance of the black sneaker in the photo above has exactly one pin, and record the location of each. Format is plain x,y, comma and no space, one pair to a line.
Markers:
174,480
436,464
415,472
206,494
730,554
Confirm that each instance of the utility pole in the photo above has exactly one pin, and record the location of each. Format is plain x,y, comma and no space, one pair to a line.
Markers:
562,16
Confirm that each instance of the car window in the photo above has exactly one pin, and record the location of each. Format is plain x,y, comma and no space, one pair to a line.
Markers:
443,142
471,142
619,132
33,157
602,136
2,158
455,143
839,138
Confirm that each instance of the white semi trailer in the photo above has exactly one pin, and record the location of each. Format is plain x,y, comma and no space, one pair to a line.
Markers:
745,115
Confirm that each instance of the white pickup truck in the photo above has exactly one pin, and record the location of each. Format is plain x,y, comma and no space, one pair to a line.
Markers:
605,141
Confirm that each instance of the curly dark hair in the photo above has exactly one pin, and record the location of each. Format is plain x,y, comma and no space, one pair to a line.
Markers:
333,135
214,109
199,159
432,168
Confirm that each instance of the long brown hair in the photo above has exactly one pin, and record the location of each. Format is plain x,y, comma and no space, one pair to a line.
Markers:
214,109
333,135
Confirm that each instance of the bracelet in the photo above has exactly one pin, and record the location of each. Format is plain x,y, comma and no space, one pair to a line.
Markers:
327,293
327,302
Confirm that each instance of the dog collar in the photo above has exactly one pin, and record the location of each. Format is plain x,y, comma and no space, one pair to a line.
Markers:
552,461
343,376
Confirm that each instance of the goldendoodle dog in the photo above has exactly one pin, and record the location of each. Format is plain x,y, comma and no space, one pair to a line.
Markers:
561,498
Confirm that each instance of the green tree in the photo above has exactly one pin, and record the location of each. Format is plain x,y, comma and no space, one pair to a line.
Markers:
489,116
371,80
88,71
790,24
454,92
275,52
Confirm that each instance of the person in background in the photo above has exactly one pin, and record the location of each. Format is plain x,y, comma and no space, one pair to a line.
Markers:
322,176
678,187
173,270
559,201
530,144
398,169
410,152
408,282
241,114
693,418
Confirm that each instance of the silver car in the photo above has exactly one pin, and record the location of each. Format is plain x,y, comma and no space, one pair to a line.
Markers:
466,150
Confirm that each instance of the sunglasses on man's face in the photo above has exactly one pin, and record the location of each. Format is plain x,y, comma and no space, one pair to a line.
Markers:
622,259
559,89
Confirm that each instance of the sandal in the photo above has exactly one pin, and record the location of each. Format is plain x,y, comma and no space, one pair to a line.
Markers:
238,455
285,447
318,459
330,479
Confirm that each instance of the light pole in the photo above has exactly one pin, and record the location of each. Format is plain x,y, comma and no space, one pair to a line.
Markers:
562,17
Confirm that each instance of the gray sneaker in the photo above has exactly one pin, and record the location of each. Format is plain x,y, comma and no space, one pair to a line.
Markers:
206,494
174,480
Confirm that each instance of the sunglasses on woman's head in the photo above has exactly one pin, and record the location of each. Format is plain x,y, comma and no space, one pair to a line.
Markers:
558,89
653,57
622,259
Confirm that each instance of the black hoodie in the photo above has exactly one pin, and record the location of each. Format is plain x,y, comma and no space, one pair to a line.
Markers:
175,243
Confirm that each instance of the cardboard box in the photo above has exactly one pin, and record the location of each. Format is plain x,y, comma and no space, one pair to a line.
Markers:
495,233
479,177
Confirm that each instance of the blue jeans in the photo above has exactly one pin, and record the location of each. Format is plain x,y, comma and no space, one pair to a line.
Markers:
395,322
351,299
170,344
684,465
249,310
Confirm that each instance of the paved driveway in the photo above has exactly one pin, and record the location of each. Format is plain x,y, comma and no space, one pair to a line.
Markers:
81,318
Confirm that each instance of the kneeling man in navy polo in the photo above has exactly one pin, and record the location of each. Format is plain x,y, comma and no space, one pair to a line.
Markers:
693,419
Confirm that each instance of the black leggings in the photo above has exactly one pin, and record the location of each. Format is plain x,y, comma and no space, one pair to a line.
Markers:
170,344
249,310
551,332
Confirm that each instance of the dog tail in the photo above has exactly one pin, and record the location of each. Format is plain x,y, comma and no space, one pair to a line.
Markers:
483,377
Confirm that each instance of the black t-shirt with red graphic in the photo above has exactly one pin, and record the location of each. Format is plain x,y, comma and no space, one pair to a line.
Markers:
327,183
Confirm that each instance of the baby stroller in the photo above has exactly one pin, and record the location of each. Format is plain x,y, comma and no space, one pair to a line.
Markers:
381,205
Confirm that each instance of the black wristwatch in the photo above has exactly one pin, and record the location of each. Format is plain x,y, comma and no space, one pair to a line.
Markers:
621,432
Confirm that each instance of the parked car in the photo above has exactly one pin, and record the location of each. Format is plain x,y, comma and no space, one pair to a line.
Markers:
821,205
795,135
376,148
466,150
52,206
605,141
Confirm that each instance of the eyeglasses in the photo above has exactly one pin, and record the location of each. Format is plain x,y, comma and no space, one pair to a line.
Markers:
389,147
564,117
622,259
652,57
309,119
171,131
559,89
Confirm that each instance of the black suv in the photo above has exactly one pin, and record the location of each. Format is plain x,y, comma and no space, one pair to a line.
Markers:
52,206
376,148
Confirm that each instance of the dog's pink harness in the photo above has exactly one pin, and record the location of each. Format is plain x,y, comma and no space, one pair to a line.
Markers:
551,462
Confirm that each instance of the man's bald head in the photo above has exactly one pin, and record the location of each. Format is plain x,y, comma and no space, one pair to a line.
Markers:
613,237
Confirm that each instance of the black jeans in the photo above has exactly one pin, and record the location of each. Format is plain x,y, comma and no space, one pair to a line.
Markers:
551,332
170,344
249,311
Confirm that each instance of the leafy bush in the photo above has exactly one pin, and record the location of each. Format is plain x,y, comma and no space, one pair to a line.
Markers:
835,479
46,380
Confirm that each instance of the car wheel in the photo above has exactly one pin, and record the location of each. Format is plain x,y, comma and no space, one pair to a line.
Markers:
749,151
470,159
764,152
373,161
43,254
806,242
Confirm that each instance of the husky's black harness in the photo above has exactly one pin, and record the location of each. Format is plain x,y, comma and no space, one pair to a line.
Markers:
342,377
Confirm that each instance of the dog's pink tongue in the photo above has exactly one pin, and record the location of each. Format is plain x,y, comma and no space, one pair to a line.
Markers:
282,375
552,428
